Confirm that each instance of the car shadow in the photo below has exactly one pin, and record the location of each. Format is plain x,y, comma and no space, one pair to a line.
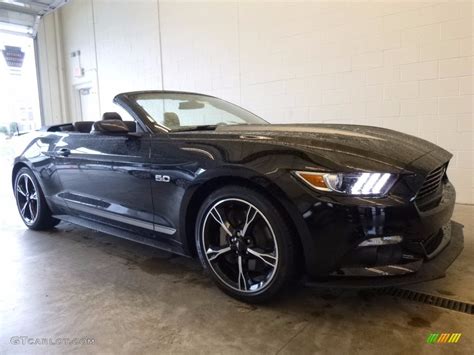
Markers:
182,270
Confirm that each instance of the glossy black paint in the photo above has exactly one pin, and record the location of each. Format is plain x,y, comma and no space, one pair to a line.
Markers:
115,181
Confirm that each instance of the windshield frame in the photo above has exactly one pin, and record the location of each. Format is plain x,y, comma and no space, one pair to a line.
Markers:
129,102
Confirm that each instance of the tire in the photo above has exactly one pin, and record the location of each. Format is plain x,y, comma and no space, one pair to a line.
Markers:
244,243
31,203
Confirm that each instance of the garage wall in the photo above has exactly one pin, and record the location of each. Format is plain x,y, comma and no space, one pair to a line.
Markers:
78,37
401,65
118,52
128,49
51,72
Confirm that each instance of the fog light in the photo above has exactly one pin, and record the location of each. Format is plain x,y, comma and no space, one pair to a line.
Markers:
391,239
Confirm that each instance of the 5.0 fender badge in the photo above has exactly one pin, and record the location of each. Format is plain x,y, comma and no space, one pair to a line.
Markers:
162,178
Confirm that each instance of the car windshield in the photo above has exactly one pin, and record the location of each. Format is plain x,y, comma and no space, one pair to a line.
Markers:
189,112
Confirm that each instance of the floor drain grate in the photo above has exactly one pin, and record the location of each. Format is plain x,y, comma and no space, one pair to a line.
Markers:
428,299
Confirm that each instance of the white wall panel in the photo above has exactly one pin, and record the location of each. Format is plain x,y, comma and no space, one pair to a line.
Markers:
128,49
201,48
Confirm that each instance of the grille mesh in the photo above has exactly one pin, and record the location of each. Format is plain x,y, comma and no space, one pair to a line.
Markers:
432,182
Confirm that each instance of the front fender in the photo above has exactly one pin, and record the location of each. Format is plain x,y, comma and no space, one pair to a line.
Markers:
213,179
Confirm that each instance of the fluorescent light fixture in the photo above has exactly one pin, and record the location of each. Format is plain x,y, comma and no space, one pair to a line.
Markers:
18,29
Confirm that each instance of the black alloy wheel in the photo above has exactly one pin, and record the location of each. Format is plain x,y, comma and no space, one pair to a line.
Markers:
31,203
244,242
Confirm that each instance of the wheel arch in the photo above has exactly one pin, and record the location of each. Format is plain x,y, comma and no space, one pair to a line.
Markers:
16,169
265,187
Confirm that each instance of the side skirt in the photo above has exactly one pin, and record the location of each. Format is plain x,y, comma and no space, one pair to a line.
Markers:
121,233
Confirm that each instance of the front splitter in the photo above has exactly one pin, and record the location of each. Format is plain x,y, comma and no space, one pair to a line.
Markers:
429,270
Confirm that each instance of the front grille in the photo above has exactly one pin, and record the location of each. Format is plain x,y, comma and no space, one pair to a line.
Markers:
432,182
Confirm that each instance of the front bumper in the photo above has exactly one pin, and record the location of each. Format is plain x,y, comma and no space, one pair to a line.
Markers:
430,241
423,270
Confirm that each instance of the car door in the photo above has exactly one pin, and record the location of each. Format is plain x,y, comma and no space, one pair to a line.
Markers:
107,178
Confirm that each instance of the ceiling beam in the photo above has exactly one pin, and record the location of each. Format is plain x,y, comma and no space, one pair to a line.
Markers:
34,9
16,8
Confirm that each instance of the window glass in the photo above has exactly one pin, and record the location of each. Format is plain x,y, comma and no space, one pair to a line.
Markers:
185,111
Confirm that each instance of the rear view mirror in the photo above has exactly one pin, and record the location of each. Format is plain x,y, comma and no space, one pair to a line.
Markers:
109,127
190,105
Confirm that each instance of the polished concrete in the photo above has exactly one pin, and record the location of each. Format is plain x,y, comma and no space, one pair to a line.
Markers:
73,283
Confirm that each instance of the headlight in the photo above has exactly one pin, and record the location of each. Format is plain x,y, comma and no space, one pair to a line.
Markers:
360,184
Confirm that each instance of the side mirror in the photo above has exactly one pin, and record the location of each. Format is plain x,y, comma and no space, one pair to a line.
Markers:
109,127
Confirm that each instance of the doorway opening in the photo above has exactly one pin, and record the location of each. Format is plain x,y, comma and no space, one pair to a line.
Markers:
19,101
86,102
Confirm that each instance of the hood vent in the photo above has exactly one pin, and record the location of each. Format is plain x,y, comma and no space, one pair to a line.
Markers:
432,183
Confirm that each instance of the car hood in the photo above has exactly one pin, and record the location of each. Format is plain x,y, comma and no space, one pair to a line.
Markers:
345,144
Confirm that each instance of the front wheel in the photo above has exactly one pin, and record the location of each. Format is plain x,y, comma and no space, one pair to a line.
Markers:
244,242
31,203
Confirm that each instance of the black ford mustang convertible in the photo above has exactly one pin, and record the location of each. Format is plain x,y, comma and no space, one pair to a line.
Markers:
259,204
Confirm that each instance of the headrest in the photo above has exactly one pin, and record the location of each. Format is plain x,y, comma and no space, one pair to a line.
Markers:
132,125
111,116
66,128
83,126
171,120
109,127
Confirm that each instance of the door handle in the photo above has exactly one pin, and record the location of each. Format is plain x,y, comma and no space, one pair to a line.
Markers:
64,152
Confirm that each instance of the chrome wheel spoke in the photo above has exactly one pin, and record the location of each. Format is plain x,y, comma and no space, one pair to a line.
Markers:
217,216
23,209
267,258
25,179
251,214
242,282
20,191
32,216
34,196
213,254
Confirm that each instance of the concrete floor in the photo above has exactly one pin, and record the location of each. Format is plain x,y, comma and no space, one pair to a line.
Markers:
73,283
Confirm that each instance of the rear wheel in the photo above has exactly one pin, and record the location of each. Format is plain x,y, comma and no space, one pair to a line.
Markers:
31,203
244,242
